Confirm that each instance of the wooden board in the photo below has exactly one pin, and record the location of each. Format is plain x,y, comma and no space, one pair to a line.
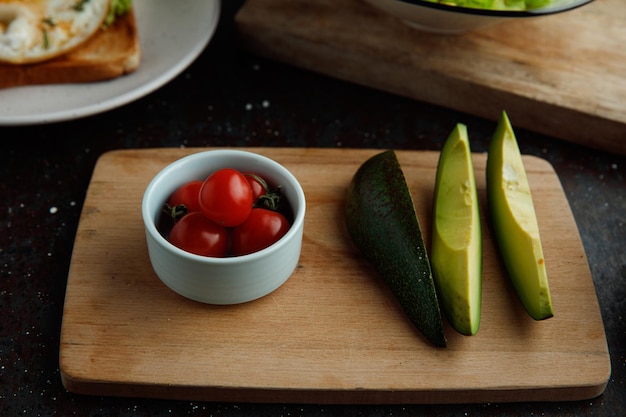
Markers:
562,75
333,333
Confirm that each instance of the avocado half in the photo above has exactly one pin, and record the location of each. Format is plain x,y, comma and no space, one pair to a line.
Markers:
381,219
512,213
456,250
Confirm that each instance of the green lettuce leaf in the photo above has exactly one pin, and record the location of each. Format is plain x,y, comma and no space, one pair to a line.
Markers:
118,8
497,4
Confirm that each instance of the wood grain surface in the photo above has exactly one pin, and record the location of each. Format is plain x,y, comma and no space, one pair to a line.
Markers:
332,333
562,75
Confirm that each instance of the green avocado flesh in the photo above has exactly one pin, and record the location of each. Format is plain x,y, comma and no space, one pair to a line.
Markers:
515,223
381,219
456,251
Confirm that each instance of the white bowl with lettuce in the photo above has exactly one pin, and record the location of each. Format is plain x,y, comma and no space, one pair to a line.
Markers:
459,16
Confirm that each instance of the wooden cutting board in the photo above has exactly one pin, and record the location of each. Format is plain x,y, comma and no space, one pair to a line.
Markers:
562,75
332,333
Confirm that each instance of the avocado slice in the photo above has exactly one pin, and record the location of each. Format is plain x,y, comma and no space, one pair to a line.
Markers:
382,222
456,251
515,223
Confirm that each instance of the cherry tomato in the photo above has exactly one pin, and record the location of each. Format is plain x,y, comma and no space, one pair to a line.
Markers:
226,197
261,229
196,234
187,195
258,185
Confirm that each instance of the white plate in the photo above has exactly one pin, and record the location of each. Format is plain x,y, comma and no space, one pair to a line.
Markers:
172,35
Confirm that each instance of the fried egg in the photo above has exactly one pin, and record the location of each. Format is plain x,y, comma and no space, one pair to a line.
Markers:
37,30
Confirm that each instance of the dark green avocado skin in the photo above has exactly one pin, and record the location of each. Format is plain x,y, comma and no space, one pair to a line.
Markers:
381,220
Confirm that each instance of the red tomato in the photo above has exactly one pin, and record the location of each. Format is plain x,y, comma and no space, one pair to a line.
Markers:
226,197
187,195
258,185
261,229
196,234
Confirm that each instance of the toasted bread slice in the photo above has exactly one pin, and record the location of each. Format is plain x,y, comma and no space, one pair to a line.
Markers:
110,53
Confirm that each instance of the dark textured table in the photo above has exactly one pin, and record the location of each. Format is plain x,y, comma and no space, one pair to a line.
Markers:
230,98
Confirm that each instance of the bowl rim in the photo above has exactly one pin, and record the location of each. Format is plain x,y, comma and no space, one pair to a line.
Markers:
542,11
152,229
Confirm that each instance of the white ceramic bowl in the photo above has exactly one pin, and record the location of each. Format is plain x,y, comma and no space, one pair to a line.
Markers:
222,280
447,19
